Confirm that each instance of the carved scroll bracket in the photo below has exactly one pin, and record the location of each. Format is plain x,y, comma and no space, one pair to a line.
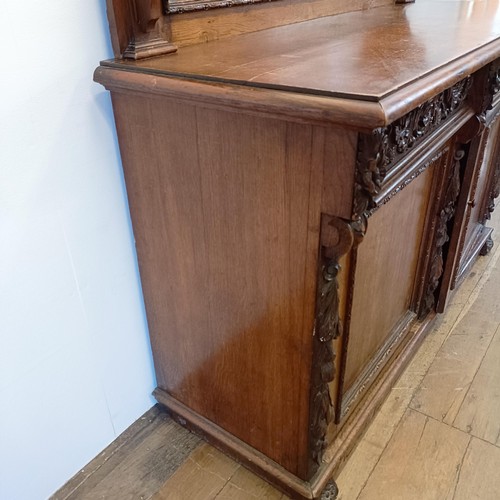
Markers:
338,237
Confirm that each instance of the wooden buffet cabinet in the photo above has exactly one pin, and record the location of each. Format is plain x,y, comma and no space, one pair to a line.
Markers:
308,182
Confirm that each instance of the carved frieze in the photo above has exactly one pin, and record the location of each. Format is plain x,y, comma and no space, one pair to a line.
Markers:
380,150
337,238
445,215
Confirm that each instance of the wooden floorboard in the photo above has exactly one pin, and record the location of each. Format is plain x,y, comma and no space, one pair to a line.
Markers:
437,436
479,414
479,474
421,461
137,464
202,476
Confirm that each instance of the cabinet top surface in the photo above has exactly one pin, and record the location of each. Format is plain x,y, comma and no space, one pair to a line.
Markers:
365,55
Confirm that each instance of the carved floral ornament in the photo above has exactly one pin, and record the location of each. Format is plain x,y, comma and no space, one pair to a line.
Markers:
338,237
381,149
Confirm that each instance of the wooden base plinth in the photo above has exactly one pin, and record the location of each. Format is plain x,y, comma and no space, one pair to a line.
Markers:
321,485
139,49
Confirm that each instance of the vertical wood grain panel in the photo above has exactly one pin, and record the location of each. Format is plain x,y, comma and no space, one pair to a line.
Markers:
385,273
226,211
338,183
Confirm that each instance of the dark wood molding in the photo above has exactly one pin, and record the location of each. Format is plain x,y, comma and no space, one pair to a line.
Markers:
337,238
419,158
381,150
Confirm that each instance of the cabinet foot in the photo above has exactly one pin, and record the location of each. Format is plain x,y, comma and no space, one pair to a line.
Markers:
330,492
488,245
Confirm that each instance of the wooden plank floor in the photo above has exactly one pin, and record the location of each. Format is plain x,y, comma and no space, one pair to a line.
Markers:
436,437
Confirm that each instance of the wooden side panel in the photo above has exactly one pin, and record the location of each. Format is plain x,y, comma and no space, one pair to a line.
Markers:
338,179
226,212
385,273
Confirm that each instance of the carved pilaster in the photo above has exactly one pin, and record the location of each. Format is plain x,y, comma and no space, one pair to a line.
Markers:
148,38
337,238
494,192
379,151
444,216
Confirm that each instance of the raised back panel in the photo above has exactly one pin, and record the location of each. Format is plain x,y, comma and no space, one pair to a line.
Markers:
133,19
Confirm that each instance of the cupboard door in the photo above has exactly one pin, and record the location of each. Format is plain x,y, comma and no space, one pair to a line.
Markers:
469,233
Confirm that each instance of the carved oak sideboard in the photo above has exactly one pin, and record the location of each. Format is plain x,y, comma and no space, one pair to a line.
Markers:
304,199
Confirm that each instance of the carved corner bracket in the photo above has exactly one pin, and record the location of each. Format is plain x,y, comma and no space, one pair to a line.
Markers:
146,32
338,237
379,151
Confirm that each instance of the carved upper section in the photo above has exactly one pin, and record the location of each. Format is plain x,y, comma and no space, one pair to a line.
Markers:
379,151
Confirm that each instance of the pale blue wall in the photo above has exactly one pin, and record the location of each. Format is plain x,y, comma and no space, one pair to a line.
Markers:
75,362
